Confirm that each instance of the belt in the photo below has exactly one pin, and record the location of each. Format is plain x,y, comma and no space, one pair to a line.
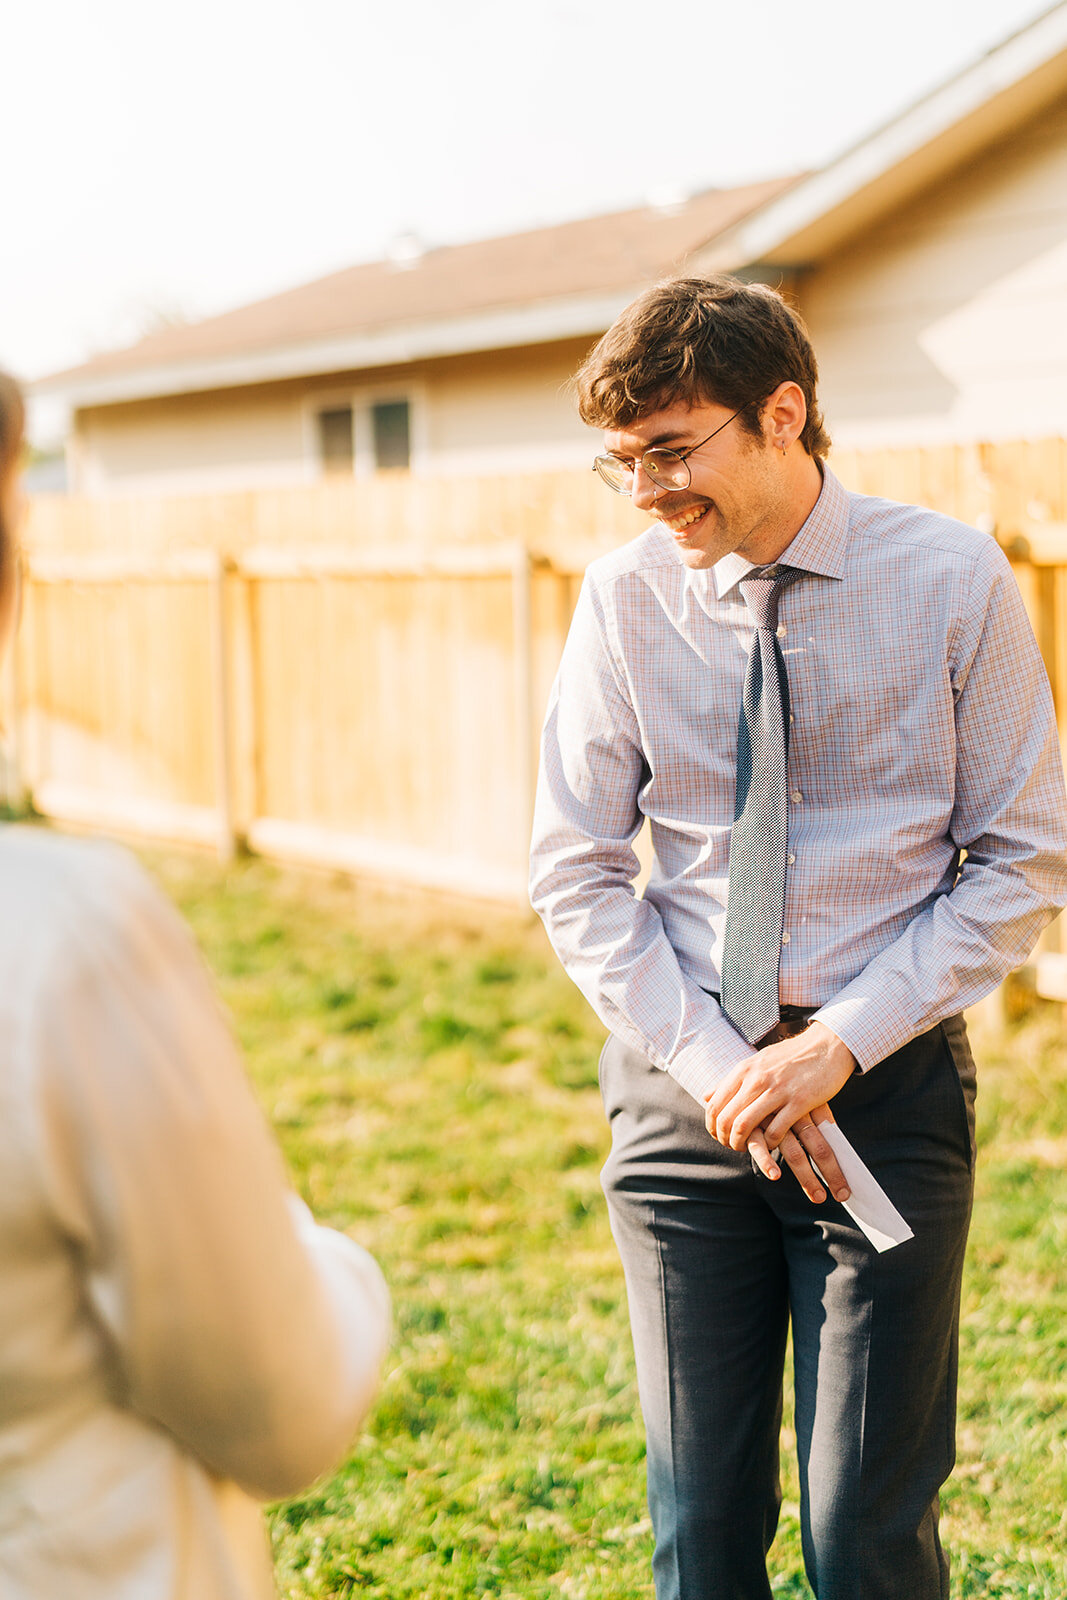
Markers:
792,1020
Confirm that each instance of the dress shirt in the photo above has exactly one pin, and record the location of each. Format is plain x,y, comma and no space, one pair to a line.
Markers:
927,829
176,1333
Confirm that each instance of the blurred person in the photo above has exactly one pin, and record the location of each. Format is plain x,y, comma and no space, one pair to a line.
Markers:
177,1335
833,714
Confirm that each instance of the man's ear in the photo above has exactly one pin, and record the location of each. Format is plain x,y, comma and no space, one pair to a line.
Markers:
785,414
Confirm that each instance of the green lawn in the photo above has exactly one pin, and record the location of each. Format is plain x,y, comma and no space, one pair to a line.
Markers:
432,1078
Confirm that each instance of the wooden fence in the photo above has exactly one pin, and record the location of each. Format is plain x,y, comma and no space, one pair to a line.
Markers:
355,675
371,710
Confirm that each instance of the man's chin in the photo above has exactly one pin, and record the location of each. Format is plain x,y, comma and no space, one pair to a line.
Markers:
697,560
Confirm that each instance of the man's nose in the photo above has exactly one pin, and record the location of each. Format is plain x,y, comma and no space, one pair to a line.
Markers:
644,490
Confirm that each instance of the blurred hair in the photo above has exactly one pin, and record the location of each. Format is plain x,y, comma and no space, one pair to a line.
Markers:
12,425
701,341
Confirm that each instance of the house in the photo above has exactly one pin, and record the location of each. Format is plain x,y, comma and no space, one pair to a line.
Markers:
448,361
930,261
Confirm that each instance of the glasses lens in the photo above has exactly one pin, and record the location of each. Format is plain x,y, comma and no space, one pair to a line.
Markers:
618,475
666,467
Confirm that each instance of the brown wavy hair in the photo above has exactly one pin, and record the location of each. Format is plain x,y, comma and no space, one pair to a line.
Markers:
12,427
701,341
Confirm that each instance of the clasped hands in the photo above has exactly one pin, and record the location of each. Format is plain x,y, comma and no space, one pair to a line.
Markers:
776,1100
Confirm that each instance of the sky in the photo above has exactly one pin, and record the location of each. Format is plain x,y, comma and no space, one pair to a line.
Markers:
173,161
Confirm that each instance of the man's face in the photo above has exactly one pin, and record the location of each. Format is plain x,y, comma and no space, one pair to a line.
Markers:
737,499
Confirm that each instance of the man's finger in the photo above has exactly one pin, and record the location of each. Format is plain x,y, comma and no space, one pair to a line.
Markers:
724,1092
739,1120
761,1155
796,1159
724,1106
818,1151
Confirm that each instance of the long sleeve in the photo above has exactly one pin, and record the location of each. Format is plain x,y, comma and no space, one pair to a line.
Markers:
611,943
1010,819
252,1335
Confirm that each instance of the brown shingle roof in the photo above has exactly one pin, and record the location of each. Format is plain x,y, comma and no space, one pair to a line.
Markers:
594,255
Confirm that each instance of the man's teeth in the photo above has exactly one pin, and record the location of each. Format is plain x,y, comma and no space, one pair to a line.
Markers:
677,524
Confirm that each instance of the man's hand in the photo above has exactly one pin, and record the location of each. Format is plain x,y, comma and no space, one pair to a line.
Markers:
777,1098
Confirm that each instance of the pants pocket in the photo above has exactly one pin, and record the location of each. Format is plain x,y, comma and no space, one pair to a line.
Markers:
958,1050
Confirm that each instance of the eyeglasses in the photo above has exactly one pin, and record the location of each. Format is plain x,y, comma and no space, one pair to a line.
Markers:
669,469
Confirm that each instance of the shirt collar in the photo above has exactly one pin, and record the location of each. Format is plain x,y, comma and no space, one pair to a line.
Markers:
819,547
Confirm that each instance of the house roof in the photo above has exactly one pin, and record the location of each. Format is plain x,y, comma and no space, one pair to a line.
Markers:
1004,88
555,282
573,279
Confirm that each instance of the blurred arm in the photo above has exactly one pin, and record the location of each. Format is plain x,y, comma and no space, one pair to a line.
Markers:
249,1332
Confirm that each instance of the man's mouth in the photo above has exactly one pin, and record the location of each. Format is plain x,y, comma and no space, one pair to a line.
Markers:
685,521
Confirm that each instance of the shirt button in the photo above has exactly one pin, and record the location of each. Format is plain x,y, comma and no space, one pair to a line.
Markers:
781,630
790,859
785,938
796,797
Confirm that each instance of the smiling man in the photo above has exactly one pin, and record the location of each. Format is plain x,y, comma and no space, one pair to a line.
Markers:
833,715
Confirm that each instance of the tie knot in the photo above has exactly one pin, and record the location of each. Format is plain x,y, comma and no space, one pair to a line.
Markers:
763,590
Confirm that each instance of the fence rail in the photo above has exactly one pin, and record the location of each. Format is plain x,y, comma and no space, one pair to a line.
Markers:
370,700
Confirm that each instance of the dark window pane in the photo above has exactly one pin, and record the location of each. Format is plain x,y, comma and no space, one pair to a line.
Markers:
392,434
335,439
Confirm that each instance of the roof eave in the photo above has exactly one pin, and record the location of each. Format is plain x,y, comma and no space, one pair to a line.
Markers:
503,328
913,151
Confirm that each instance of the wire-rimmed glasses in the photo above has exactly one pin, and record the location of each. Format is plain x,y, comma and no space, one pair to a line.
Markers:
667,469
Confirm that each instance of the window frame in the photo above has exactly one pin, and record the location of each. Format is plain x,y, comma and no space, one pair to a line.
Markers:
362,398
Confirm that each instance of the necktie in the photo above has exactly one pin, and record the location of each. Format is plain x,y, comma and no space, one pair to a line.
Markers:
752,944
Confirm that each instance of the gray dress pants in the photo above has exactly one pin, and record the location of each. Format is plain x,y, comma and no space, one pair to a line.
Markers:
718,1260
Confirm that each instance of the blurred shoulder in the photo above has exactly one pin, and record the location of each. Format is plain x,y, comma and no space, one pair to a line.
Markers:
60,889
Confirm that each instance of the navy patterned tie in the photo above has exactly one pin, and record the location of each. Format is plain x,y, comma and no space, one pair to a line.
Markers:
752,944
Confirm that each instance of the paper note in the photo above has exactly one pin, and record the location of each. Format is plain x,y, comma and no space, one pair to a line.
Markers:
869,1206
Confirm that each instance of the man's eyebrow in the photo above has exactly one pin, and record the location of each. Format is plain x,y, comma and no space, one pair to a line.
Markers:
657,441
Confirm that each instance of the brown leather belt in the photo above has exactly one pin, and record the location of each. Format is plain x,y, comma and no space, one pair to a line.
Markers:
793,1020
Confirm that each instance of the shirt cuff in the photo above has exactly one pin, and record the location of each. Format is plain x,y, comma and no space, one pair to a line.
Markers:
871,1026
699,1067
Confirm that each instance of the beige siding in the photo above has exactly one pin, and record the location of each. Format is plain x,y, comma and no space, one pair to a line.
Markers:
949,321
205,442
502,412
507,411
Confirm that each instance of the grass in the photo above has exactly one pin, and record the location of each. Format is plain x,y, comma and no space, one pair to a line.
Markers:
432,1078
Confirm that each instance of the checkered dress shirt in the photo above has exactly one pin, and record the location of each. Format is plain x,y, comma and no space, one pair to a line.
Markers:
927,819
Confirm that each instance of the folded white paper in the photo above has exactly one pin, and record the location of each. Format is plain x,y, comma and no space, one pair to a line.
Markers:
868,1205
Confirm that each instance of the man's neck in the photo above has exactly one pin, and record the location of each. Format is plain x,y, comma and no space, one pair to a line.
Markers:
801,494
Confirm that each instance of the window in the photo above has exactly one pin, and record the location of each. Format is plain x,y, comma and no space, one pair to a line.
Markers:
361,431
391,430
336,439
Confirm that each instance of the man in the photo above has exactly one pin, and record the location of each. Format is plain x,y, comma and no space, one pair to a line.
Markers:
832,712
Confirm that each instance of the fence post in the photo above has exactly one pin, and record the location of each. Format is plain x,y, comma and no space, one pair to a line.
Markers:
244,701
222,718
